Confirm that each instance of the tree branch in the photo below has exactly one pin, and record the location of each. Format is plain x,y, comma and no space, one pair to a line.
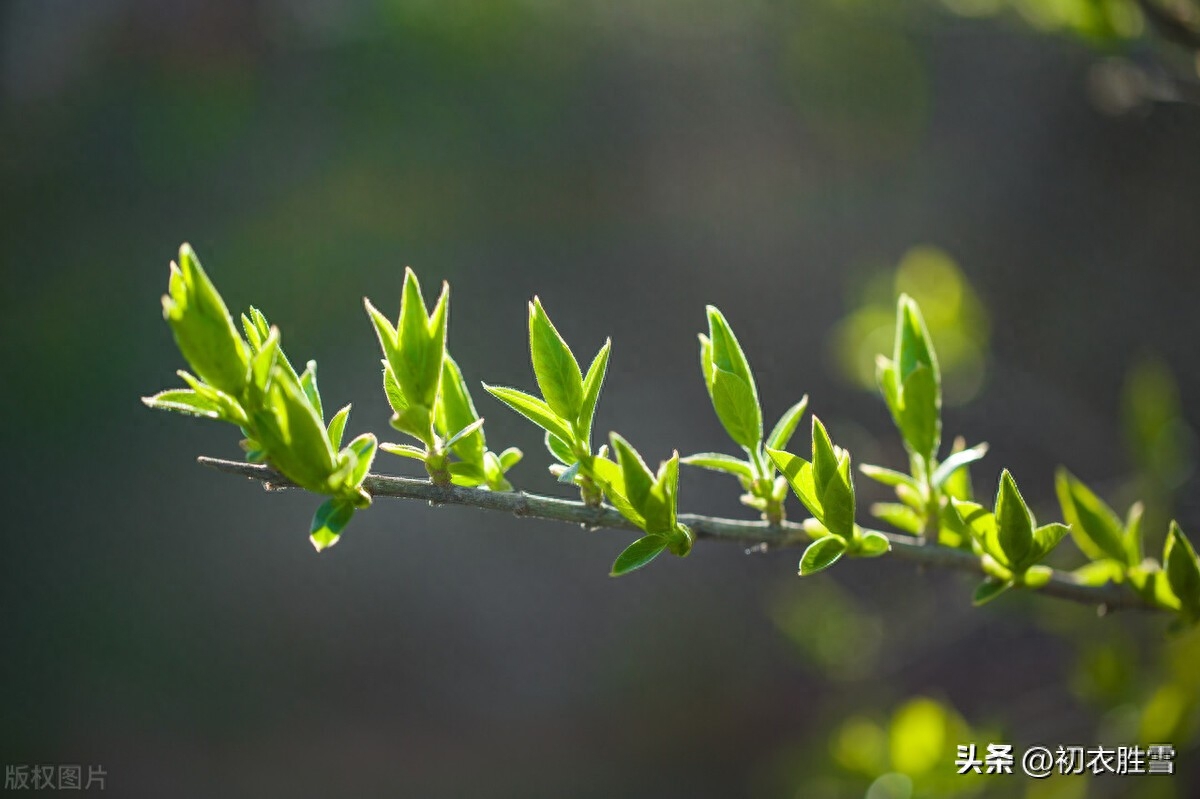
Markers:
753,534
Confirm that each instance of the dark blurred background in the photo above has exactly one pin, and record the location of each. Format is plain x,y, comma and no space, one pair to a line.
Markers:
1033,163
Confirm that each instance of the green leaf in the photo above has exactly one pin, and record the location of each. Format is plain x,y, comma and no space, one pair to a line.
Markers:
202,326
1132,538
821,554
308,382
899,516
1183,569
717,462
456,411
660,510
293,434
730,382
404,451
337,427
824,458
918,379
832,482
391,388
510,458
554,365
838,500
799,474
533,409
327,525
363,447
468,475
638,554
611,478
1046,538
887,477
422,343
781,434
737,407
1099,572
637,476
981,525
263,362
956,461
469,430
389,338
185,401
593,381
873,544
1014,525
1097,530
560,449
989,589
706,359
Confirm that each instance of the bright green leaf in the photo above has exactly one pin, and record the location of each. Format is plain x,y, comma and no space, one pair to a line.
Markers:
821,554
989,589
781,434
638,554
327,525
554,365
1097,530
533,409
717,462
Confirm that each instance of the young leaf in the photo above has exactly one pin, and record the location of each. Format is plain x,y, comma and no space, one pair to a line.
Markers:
887,477
781,434
560,449
184,401
389,337
638,477
911,382
956,461
593,381
554,365
1096,528
404,451
821,554
1046,538
899,516
717,462
202,326
1183,569
873,544
730,382
799,474
989,589
363,447
980,523
533,409
456,412
471,429
638,554
1132,538
1014,526
308,382
737,407
327,525
510,458
467,474
337,427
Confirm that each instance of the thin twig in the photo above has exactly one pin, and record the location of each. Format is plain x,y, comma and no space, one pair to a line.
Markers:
752,534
